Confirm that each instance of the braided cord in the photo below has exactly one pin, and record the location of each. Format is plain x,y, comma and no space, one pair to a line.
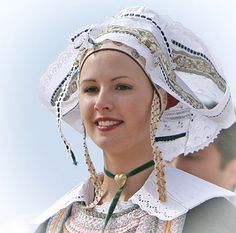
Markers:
157,154
93,175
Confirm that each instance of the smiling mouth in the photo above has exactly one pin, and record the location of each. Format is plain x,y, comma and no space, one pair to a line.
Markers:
108,123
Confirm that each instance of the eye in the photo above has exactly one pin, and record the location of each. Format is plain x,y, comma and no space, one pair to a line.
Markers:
91,89
123,87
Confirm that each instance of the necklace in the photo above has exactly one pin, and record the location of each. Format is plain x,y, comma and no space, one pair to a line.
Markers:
120,180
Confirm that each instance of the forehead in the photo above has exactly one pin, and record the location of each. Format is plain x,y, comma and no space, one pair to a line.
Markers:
111,63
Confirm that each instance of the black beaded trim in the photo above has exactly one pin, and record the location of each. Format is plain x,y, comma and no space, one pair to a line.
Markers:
164,38
72,69
52,101
195,53
153,22
57,89
74,37
169,138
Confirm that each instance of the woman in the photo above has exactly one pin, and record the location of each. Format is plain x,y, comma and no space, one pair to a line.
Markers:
145,90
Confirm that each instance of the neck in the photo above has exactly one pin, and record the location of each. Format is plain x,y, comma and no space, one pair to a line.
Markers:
124,162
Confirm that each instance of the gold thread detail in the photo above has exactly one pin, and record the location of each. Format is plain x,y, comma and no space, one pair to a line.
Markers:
157,154
93,175
58,219
192,64
159,58
168,227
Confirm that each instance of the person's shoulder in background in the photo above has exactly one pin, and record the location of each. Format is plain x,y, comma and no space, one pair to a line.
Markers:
217,215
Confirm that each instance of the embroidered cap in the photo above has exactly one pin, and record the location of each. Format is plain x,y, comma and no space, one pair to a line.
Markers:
173,58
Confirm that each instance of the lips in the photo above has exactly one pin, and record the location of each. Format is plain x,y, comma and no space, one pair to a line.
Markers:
107,123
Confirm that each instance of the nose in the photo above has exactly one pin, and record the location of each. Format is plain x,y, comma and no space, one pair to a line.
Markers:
103,101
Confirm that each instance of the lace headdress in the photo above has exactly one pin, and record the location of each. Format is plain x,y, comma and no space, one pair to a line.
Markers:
175,59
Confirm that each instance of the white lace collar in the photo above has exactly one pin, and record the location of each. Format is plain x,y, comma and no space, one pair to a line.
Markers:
184,192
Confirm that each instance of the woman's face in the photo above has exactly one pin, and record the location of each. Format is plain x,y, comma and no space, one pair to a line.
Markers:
115,100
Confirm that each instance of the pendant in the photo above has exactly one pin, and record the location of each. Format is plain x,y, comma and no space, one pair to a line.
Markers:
120,180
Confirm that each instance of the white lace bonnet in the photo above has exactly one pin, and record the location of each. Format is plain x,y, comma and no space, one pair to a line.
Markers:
176,60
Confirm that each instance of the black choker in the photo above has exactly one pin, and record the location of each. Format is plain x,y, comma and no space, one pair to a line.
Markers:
120,180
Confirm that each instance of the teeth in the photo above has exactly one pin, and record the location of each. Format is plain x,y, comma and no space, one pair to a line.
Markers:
108,123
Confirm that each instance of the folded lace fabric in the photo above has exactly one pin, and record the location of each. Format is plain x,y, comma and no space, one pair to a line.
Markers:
176,60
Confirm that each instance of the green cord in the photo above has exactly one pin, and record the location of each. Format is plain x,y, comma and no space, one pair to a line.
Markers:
120,190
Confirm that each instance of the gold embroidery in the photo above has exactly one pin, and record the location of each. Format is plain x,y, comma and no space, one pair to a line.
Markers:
193,64
184,62
65,229
168,227
147,38
57,221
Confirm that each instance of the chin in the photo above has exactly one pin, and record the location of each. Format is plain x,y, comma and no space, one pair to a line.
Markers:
106,144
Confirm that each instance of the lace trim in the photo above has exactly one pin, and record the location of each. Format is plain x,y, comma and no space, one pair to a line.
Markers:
199,131
179,200
121,206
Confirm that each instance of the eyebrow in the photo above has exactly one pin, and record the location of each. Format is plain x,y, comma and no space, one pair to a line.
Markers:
113,79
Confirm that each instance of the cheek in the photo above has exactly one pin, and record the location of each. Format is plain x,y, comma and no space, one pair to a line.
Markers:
86,108
142,112
145,115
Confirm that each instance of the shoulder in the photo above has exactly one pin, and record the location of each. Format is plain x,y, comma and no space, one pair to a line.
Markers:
56,222
216,215
41,228
81,193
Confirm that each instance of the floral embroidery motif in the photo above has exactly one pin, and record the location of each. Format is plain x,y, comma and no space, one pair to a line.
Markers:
197,65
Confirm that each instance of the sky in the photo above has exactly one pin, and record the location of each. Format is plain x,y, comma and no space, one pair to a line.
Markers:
34,167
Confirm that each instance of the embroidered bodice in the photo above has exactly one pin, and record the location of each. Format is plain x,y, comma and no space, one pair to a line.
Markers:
131,219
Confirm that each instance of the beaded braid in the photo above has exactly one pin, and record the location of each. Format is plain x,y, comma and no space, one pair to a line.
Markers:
93,174
58,104
157,154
